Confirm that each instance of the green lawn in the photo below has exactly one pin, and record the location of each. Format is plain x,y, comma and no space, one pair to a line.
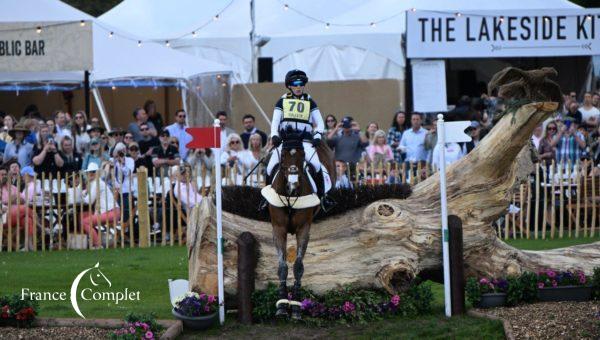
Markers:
548,243
147,270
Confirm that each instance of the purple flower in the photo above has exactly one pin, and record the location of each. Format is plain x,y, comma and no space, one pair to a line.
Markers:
207,308
395,300
306,304
484,281
554,283
540,285
211,298
290,296
202,296
149,335
131,330
551,274
348,307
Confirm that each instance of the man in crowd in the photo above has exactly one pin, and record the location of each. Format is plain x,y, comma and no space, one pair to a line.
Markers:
177,130
61,125
117,134
589,113
72,159
17,148
413,141
250,129
569,143
47,159
148,142
573,112
596,100
140,117
166,155
348,145
225,130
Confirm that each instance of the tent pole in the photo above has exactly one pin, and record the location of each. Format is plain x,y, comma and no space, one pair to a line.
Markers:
101,108
253,43
184,103
86,91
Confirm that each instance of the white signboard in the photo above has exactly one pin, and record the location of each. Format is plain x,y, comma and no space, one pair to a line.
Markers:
46,47
429,85
506,33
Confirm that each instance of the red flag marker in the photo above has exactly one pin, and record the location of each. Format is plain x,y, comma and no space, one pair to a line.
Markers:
204,137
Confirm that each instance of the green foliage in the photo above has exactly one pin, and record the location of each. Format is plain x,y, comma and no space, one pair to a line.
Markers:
514,292
263,303
528,282
147,318
419,297
473,291
12,307
596,284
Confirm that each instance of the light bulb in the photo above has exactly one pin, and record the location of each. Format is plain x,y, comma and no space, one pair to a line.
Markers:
286,7
110,35
39,29
327,25
82,23
167,43
139,43
216,17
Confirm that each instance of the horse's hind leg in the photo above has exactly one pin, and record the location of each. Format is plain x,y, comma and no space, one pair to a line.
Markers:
302,237
280,240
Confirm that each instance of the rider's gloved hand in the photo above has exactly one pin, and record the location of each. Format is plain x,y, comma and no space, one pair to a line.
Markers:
276,141
316,142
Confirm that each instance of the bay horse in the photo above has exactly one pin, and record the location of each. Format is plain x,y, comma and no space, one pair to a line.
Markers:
290,182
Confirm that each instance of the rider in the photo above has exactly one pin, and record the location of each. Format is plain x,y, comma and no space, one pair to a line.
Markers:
297,111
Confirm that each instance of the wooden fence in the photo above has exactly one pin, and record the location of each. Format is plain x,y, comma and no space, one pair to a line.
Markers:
559,201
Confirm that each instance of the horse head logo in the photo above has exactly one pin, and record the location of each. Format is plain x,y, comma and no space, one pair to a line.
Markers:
96,277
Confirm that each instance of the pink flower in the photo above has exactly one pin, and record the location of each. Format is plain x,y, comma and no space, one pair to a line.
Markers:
554,283
131,330
540,285
202,296
484,281
149,335
551,274
145,326
395,300
582,279
211,299
207,308
348,307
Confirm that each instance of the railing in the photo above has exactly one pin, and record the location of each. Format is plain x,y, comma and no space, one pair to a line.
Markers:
58,217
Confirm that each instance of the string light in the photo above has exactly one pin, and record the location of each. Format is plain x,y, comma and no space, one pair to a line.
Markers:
501,19
458,14
373,24
589,17
286,7
194,34
216,17
39,29
223,84
327,25
413,9
110,35
139,43
82,23
546,19
167,43
113,87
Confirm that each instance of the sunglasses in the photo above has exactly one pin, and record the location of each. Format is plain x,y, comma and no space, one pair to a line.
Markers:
128,137
146,129
330,120
180,116
78,117
133,149
234,142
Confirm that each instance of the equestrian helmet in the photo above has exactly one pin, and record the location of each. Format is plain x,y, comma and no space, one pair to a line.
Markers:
295,78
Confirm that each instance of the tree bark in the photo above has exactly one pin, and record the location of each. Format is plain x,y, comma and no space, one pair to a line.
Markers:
389,242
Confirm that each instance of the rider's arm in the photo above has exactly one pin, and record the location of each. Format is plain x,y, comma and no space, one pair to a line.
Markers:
277,113
318,120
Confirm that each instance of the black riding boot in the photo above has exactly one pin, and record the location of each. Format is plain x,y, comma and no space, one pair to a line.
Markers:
264,204
326,202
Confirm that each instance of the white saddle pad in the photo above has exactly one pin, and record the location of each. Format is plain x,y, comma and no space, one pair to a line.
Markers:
279,201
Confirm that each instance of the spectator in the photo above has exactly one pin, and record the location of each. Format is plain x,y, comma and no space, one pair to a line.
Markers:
234,154
95,154
589,113
128,138
5,138
475,132
95,122
148,143
139,159
95,132
17,148
203,161
255,149
395,134
140,117
225,130
348,145
569,143
177,130
379,152
453,153
60,122
372,127
595,146
342,181
431,139
32,125
186,190
250,129
79,132
32,189
14,173
19,214
31,112
330,124
154,116
596,100
46,158
117,135
166,155
123,180
72,160
413,141
99,196
573,112
537,136
104,143
51,127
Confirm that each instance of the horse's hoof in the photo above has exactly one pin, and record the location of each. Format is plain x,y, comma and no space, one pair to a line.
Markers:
296,315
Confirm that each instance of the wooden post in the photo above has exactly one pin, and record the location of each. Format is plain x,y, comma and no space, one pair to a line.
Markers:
521,208
43,214
561,201
58,209
528,229
593,225
130,219
9,219
553,194
537,201
142,208
570,198
457,275
246,262
68,223
171,220
154,212
585,198
35,217
545,209
18,217
578,207
164,209
514,219
179,210
506,225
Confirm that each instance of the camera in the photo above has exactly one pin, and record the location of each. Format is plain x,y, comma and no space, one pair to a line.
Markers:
121,154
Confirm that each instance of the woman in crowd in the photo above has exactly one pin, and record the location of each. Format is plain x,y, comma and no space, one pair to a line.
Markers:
19,213
140,159
236,158
546,151
330,124
372,127
17,148
153,116
95,154
379,152
399,124
185,189
79,132
9,123
202,161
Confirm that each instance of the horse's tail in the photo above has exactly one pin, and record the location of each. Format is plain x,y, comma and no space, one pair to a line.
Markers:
326,157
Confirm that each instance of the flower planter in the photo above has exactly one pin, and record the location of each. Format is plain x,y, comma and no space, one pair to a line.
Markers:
565,293
197,322
491,300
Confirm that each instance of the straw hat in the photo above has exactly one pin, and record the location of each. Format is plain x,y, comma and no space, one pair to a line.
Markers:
17,128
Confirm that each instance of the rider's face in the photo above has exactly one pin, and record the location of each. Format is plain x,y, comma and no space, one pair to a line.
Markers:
297,90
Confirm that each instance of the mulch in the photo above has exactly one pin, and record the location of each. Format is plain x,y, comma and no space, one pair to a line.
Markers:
67,333
551,320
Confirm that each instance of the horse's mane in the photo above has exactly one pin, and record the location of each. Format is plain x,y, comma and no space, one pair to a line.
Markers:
242,201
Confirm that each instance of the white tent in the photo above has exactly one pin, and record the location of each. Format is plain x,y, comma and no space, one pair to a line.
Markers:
349,48
116,58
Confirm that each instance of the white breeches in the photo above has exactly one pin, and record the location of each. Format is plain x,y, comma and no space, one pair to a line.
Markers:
310,155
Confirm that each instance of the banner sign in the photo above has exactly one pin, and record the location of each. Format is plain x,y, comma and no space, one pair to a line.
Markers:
46,47
429,85
506,33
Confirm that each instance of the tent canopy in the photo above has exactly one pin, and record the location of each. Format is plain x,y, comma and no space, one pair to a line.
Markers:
351,48
117,59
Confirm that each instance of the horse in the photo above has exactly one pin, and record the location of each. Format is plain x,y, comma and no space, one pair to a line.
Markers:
292,184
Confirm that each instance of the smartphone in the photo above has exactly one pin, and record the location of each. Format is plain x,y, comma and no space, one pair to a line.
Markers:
568,124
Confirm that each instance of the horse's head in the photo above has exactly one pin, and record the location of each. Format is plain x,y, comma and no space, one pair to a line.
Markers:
97,276
291,167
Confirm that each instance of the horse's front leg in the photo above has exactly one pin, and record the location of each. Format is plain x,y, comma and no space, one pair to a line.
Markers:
280,240
302,237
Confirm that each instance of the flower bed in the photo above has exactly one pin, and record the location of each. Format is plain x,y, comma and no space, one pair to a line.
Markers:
347,305
196,311
17,312
486,292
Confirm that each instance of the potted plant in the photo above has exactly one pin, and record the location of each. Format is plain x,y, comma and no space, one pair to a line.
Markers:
563,286
486,293
16,312
196,311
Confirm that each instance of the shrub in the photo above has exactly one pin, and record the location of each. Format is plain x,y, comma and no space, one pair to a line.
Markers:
133,331
23,311
514,291
528,282
596,284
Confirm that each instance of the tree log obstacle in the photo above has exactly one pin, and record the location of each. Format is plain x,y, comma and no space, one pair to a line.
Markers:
390,242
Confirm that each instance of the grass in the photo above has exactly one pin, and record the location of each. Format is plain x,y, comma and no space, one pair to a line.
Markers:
147,270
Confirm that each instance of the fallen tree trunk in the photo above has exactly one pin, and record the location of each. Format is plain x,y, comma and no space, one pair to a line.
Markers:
389,242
